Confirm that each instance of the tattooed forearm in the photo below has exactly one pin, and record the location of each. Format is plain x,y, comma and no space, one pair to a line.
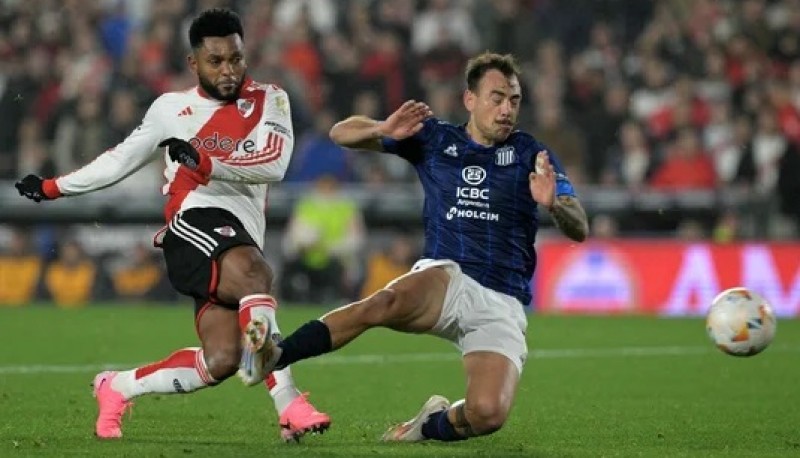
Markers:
570,218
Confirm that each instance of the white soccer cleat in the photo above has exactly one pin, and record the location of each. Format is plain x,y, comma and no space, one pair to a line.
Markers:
259,352
411,431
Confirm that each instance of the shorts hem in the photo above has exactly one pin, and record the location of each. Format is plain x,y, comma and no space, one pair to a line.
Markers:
515,359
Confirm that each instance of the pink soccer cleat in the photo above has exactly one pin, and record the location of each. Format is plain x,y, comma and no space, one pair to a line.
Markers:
111,406
300,417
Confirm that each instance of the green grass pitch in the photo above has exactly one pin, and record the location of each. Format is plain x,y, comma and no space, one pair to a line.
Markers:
612,386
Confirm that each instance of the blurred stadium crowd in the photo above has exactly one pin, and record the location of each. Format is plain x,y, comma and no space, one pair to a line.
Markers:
670,95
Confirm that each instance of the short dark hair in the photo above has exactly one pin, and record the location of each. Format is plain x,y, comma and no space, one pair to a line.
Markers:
216,22
479,65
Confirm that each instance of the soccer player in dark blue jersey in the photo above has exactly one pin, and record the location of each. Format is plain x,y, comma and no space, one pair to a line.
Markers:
484,185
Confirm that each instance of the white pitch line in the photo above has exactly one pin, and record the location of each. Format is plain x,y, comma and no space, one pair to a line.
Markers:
401,358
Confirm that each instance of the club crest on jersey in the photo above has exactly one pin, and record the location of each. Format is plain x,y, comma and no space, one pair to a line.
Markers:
245,106
505,156
282,105
473,175
225,231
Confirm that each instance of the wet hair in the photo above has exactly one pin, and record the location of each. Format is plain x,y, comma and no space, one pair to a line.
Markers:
479,65
216,22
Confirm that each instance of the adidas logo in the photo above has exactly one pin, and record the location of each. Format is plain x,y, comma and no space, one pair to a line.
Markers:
185,112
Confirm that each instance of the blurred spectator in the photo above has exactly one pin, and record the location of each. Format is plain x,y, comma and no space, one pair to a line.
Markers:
721,142
443,23
33,155
341,64
507,26
604,227
301,56
565,140
382,68
141,276
789,183
690,230
687,165
80,136
631,162
320,15
385,265
20,268
322,242
445,102
316,155
602,123
788,115
654,94
70,280
123,117
761,158
726,229
712,85
682,108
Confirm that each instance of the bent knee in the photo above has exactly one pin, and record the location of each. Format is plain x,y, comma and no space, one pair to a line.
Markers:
485,416
222,362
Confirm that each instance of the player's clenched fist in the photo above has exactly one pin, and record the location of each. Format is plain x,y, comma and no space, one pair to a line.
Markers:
183,152
33,188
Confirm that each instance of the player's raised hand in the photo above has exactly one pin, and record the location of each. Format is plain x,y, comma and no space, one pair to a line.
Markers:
542,180
406,120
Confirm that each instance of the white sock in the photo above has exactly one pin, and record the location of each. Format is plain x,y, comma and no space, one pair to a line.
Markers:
281,387
279,383
258,304
181,372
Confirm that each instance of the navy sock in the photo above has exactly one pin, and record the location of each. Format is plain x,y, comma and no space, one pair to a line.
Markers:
309,340
438,427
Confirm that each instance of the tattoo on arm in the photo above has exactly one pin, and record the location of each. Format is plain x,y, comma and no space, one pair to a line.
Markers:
462,426
570,218
371,144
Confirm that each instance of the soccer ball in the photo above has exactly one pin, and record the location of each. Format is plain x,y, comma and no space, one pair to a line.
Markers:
740,322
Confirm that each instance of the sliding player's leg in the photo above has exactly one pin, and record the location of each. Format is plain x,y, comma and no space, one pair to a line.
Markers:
490,331
412,303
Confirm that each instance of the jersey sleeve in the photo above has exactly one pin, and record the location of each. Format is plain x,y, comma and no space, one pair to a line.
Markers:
412,148
275,141
563,185
121,161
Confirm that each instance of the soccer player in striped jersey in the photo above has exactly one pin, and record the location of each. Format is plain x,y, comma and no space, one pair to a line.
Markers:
226,139
485,184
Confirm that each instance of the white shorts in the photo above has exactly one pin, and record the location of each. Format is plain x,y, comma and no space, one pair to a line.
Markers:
477,318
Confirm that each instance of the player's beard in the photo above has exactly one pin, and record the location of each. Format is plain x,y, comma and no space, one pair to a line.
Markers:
215,93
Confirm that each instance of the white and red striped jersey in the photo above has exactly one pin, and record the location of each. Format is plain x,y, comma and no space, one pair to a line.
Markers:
249,142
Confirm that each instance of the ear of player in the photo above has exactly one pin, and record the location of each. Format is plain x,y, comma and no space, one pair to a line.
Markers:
184,153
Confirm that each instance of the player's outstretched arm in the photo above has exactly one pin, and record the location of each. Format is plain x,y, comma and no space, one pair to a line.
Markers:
361,132
108,168
567,211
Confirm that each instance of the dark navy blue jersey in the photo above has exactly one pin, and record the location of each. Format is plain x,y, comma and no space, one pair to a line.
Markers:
478,207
